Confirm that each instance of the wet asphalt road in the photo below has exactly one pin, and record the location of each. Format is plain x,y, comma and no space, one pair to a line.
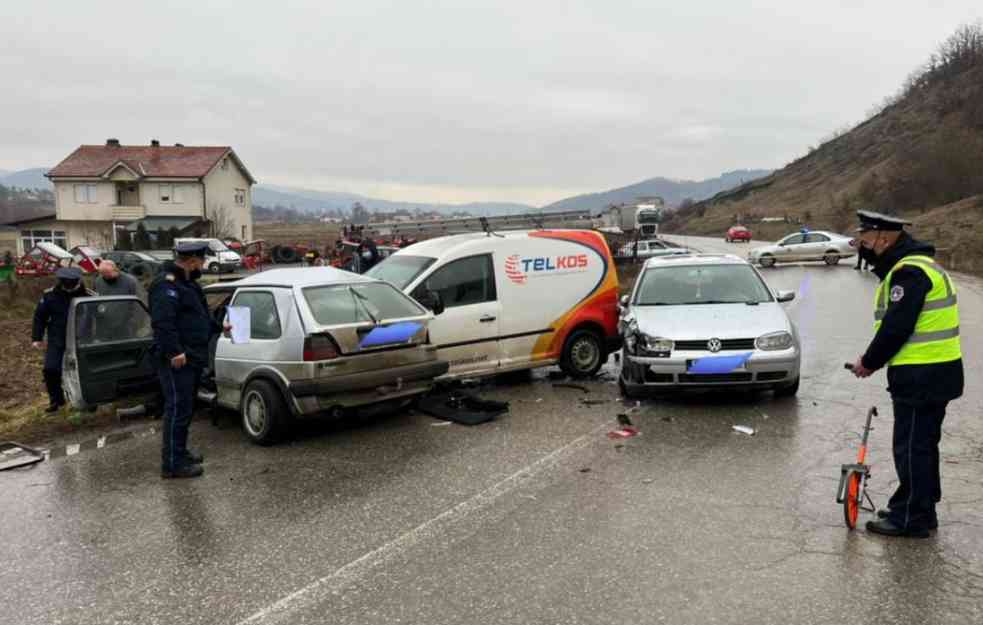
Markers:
535,518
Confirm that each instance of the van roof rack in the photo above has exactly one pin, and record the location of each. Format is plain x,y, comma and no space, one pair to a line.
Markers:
580,219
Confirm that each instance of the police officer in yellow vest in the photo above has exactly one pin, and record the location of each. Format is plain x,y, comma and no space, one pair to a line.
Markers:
916,324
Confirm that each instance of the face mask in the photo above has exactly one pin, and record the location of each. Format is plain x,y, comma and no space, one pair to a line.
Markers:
68,285
867,255
195,274
367,255
111,280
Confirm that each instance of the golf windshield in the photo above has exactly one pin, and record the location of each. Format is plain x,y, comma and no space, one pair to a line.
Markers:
701,284
400,269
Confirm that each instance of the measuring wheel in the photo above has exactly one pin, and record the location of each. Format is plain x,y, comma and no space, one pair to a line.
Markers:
852,492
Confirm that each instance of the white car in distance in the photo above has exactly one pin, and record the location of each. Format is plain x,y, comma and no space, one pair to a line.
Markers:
828,247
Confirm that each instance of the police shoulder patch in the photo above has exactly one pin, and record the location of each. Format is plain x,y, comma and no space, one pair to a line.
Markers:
897,293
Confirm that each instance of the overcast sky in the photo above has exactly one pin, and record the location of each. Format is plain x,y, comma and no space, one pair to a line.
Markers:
458,101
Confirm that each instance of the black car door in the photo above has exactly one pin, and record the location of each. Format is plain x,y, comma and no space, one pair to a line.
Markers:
108,350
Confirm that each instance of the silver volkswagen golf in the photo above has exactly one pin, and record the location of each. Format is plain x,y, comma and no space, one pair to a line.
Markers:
321,340
706,321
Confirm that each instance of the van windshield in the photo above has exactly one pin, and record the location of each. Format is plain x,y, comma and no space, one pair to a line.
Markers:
400,269
356,303
217,246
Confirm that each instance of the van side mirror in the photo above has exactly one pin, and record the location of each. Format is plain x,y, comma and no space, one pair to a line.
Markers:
786,296
434,302
624,301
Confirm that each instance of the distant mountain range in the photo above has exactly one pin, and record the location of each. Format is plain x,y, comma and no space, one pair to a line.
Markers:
312,201
672,191
26,179
309,200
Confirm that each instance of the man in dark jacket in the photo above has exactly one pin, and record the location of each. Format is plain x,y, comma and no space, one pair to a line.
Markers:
917,338
51,317
182,328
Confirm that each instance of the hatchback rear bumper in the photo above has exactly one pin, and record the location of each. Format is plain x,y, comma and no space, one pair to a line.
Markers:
366,387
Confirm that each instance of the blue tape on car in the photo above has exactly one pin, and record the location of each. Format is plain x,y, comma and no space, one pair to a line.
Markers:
388,335
718,364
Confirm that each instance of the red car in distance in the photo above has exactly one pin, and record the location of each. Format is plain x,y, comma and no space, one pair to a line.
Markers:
738,233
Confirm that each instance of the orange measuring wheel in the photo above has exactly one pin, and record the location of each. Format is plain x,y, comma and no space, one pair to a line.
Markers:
852,492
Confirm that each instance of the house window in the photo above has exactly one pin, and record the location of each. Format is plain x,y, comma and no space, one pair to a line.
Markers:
240,197
30,238
178,197
85,194
166,191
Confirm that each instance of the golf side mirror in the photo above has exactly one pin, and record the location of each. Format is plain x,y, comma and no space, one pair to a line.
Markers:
786,296
624,300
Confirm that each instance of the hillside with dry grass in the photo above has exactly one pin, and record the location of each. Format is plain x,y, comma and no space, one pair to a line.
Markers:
921,156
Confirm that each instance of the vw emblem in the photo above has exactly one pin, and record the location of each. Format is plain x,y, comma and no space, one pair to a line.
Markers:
714,345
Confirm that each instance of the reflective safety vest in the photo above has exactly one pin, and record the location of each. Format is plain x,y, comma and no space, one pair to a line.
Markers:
936,335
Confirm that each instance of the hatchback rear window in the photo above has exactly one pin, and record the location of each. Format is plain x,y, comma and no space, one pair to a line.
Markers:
356,303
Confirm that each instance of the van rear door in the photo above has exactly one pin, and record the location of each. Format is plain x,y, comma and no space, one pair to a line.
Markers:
107,356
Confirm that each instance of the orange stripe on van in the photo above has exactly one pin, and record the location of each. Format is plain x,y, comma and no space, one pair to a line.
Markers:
599,307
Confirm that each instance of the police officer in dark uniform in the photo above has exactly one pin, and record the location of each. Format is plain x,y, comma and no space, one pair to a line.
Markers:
182,328
916,322
51,316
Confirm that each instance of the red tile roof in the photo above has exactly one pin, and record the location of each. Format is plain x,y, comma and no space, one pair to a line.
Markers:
149,161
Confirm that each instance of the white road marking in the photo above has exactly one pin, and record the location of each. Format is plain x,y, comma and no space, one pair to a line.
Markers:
322,588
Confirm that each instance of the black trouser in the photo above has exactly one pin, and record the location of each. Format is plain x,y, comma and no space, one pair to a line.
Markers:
52,374
917,432
178,387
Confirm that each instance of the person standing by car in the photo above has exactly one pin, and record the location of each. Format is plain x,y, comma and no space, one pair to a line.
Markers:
51,317
917,337
112,281
182,330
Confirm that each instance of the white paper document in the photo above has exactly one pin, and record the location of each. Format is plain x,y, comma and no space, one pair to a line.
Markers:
239,319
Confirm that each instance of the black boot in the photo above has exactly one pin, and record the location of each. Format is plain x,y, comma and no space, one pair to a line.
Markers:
187,470
884,527
932,525
53,408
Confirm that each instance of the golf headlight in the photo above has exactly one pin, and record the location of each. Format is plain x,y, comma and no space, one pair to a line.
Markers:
774,341
657,346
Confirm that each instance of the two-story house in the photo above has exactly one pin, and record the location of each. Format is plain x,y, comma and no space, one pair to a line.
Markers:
100,189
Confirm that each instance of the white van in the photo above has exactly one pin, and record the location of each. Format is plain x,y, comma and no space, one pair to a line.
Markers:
514,300
220,258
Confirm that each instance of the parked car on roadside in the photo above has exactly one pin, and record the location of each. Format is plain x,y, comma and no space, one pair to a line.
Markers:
650,249
218,258
707,321
321,341
828,247
737,233
136,263
515,300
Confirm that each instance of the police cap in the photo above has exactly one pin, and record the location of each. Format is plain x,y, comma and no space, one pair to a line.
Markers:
192,248
869,220
68,273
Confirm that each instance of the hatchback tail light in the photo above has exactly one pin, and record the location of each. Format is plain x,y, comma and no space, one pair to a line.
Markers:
320,347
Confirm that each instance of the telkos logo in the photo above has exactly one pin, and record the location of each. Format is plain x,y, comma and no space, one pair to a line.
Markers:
518,269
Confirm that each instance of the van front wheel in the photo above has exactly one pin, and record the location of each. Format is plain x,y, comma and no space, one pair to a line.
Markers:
583,354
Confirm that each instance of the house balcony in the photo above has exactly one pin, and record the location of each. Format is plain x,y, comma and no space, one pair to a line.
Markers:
128,213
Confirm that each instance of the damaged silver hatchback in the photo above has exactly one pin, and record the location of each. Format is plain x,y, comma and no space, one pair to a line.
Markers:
321,340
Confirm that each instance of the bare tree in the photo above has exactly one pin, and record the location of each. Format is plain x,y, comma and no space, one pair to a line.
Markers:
223,226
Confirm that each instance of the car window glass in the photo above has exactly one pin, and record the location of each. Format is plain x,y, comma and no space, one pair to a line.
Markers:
337,305
709,284
401,269
264,322
98,323
795,239
815,237
462,283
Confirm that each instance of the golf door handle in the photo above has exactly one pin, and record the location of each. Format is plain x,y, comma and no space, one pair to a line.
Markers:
487,318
